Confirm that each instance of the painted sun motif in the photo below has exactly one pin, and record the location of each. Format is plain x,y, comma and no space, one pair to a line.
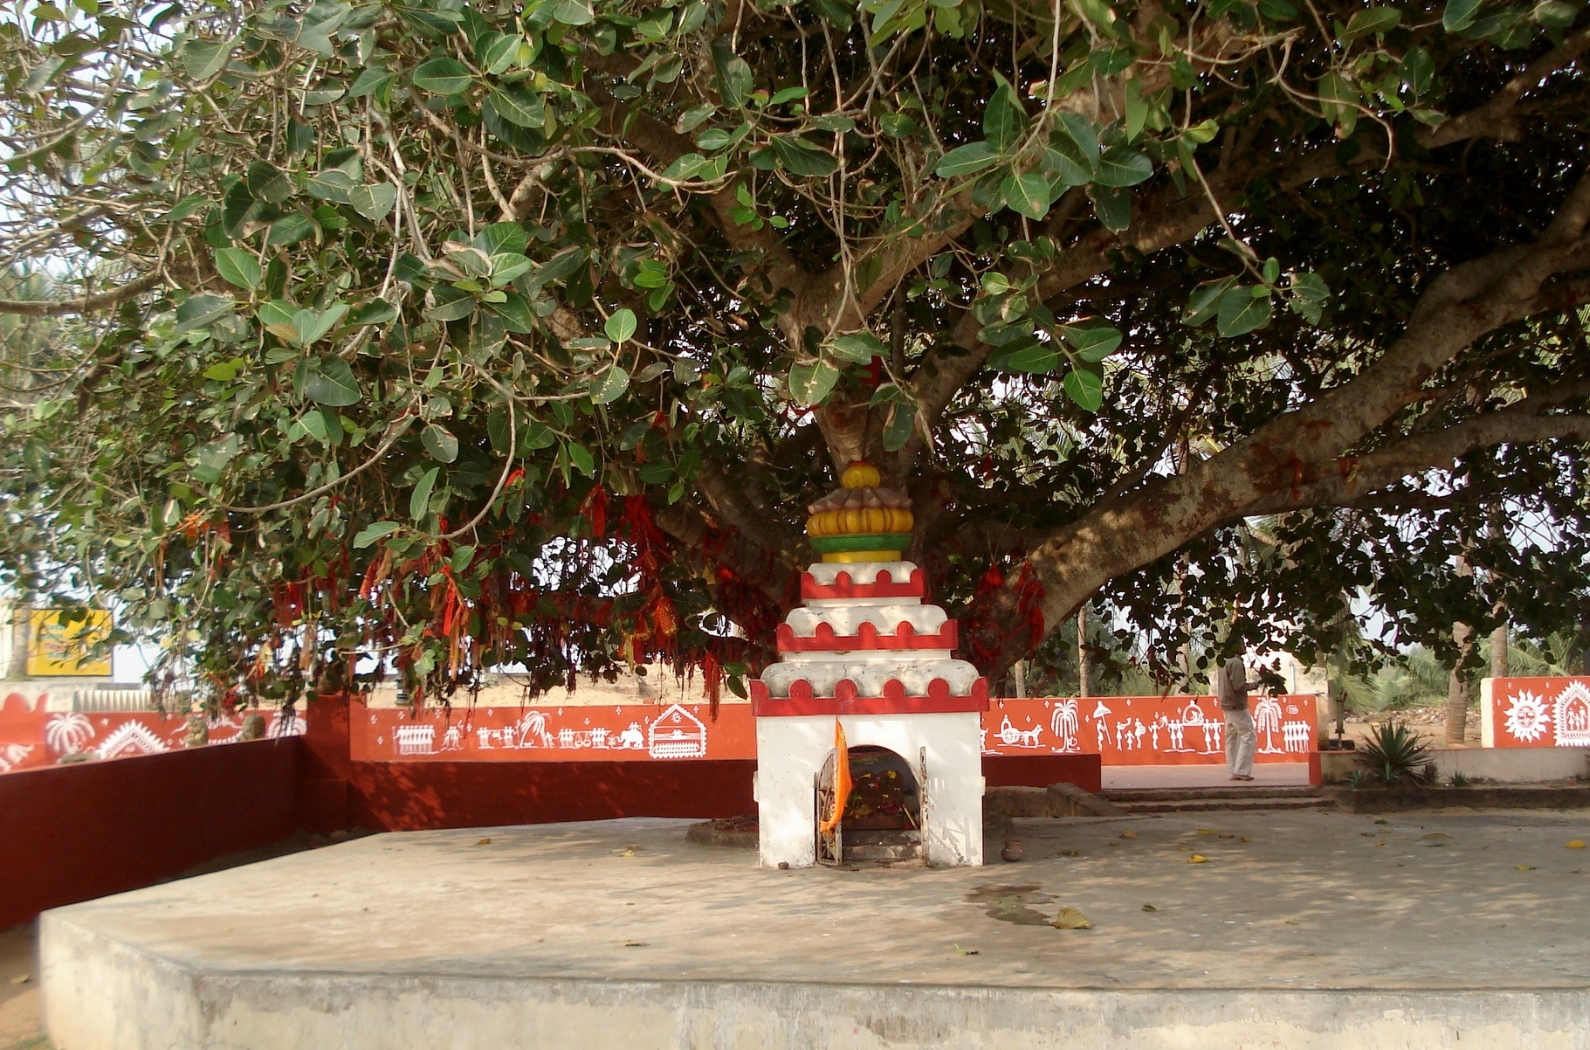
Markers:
1527,717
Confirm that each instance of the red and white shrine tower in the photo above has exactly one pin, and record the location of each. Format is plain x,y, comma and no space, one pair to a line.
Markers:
864,649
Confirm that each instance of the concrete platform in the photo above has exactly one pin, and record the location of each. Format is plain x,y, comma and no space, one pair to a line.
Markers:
1321,930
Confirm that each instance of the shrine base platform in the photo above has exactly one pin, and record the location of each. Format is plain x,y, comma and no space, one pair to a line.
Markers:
1302,930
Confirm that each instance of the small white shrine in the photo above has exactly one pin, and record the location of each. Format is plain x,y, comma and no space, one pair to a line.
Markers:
866,653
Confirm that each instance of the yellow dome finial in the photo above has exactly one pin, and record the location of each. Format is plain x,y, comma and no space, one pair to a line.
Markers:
860,475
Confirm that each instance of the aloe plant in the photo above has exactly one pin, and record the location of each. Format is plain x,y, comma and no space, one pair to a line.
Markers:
1395,754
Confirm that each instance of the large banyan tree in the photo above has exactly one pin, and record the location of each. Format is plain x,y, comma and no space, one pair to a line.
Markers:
481,334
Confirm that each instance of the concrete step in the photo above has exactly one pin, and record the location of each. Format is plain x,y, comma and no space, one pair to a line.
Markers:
1229,805
884,853
1232,791
884,847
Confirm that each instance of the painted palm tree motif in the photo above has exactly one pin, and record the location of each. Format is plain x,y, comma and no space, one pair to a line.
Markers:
66,733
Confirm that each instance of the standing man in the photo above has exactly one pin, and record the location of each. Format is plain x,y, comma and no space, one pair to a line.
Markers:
1231,690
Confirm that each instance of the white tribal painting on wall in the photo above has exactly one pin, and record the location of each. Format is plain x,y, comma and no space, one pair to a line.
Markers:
1145,729
673,733
1543,712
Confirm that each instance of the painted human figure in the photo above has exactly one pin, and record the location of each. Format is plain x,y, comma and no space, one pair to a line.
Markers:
1100,726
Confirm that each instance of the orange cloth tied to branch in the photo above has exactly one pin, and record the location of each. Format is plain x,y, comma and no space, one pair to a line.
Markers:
842,782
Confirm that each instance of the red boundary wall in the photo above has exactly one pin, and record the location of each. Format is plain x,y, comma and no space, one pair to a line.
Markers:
74,832
69,833
335,791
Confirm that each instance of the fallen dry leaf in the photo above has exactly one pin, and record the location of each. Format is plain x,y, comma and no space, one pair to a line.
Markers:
1382,821
1576,843
1197,858
1071,919
1367,834
483,842
1435,835
1208,831
1128,834
22,978
627,853
1241,839
965,951
634,944
1149,907
1069,853
1291,922
1524,867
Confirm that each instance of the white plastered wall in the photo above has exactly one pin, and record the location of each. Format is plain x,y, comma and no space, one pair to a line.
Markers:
791,750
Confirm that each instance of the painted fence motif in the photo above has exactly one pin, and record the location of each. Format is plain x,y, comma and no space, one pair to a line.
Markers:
29,739
1174,730
1536,712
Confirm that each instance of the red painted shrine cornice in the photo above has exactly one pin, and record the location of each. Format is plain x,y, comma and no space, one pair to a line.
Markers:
867,637
845,700
883,585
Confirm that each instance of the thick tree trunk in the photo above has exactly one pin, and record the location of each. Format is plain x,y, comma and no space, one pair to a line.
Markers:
1083,686
1499,651
1457,690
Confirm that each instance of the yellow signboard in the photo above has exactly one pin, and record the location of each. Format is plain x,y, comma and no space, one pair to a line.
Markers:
55,648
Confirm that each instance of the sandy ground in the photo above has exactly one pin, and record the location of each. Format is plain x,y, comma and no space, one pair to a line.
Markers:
20,1025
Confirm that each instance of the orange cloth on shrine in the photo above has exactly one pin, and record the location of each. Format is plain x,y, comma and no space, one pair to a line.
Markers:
842,782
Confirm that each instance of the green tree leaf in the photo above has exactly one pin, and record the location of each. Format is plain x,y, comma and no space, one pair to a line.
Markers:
1092,344
214,457
799,158
610,385
1242,310
420,498
330,382
965,160
203,59
1085,387
268,183
810,384
574,12
201,311
237,266
1026,195
443,76
1004,119
1459,14
439,442
580,458
1031,357
620,325
375,531
373,202
1204,302
518,105
1371,20
1123,166
897,431
858,348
